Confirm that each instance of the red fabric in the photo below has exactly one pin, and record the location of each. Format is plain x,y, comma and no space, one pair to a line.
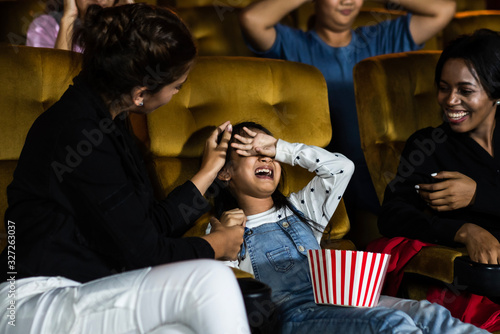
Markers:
470,308
402,250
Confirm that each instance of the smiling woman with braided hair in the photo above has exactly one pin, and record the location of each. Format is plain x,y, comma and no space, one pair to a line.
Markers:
92,242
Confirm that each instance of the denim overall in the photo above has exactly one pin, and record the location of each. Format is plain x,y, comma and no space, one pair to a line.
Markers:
278,252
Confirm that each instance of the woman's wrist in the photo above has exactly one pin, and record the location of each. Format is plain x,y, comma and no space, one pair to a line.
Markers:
204,179
463,233
215,243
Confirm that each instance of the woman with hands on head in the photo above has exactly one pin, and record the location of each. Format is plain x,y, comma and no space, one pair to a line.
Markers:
280,230
453,195
96,251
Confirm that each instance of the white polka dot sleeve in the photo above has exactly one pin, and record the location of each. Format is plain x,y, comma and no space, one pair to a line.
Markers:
321,196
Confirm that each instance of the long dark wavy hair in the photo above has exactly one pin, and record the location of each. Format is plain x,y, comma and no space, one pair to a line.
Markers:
223,200
133,45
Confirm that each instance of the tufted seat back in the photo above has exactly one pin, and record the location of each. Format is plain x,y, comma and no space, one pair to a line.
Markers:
470,21
216,30
395,96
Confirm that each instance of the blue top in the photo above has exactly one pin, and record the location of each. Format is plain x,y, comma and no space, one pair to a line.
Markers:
337,65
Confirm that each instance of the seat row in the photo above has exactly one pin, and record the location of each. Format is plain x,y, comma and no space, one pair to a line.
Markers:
221,88
289,98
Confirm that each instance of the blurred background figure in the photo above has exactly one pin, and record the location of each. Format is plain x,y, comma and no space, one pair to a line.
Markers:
55,29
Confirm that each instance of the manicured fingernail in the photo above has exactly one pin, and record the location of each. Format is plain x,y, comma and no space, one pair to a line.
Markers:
417,186
229,128
434,174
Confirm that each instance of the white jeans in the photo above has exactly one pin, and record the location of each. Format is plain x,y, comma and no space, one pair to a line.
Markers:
199,296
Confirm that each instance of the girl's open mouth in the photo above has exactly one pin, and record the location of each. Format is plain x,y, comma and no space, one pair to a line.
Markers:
264,173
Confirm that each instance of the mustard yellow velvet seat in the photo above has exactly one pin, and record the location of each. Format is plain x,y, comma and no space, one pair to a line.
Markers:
214,25
396,96
289,98
216,30
469,21
466,5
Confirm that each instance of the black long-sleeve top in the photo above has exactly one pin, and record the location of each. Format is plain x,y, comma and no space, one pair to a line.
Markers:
81,201
432,150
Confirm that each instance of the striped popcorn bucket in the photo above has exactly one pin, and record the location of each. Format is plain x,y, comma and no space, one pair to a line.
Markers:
347,278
